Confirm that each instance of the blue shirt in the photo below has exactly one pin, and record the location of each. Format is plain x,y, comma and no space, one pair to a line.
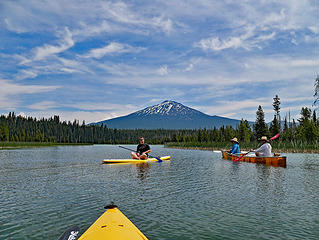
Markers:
235,149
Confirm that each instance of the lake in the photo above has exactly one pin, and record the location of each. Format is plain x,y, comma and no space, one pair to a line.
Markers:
196,195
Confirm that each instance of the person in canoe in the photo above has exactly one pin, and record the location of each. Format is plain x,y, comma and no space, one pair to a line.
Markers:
265,149
235,149
142,150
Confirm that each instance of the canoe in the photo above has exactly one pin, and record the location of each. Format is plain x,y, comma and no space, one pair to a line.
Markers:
108,161
276,161
112,224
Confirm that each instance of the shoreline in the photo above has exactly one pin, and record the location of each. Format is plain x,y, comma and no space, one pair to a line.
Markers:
19,145
218,149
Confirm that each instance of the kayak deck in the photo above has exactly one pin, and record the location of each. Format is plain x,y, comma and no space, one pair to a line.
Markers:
109,161
276,161
112,224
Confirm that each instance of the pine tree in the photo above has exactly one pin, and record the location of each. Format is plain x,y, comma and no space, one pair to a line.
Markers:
276,105
244,131
4,133
276,122
314,117
260,126
316,94
305,115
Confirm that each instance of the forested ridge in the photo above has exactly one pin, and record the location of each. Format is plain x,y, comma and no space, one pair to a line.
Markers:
27,129
303,132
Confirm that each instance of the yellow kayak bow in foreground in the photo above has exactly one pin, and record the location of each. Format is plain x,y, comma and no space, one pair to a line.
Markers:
166,158
112,224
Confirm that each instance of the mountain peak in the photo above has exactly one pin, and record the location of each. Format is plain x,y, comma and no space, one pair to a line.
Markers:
168,115
168,108
169,102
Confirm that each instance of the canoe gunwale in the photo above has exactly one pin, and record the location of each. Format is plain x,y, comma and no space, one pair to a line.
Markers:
276,161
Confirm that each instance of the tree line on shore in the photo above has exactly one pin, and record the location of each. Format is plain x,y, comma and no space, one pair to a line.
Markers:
27,129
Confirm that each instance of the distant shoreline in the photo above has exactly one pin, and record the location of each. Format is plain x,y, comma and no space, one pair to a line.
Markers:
219,149
18,145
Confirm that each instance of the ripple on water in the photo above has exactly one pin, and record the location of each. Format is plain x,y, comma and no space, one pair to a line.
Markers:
194,196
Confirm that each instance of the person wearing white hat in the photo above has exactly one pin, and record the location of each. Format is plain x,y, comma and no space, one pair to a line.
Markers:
265,149
235,149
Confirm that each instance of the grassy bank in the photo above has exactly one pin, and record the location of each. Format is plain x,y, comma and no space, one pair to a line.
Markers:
277,146
11,145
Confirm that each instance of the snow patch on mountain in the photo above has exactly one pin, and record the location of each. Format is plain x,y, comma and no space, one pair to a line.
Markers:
168,108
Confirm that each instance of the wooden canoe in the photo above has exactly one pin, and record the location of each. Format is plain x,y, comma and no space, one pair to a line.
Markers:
276,161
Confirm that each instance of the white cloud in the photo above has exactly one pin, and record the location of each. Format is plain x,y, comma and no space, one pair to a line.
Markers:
44,105
165,24
250,25
47,50
102,106
314,29
189,67
81,116
10,90
87,116
124,13
112,48
11,27
216,44
163,70
248,41
23,74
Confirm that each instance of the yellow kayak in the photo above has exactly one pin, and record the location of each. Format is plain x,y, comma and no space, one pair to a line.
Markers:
166,158
112,224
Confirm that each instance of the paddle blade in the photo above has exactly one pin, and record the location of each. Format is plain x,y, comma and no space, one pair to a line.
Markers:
158,159
276,136
237,159
72,233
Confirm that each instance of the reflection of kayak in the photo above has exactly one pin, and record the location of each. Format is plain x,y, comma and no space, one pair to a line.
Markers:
112,224
276,161
166,158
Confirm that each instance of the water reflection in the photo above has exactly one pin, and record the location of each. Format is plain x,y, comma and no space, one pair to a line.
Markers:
143,171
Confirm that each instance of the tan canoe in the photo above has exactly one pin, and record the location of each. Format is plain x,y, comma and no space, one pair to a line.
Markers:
276,161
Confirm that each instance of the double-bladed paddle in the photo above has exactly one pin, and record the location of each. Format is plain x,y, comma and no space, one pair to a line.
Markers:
157,158
274,137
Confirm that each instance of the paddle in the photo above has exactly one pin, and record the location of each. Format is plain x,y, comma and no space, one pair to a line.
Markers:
274,137
158,159
71,233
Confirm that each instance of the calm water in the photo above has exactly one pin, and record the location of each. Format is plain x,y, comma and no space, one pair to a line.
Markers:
196,195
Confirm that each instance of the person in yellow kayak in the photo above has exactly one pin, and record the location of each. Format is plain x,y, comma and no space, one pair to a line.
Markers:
265,149
142,150
235,149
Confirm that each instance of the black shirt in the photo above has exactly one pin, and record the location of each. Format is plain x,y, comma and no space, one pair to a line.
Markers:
142,148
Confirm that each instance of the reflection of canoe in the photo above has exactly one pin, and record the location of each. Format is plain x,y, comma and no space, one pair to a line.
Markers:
276,161
112,224
166,158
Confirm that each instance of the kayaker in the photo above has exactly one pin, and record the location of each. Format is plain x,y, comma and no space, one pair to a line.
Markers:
142,150
265,149
235,149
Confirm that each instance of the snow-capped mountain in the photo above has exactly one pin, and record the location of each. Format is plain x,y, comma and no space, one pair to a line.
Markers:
168,115
169,108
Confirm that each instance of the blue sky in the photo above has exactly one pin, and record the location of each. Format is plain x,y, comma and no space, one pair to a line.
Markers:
93,60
